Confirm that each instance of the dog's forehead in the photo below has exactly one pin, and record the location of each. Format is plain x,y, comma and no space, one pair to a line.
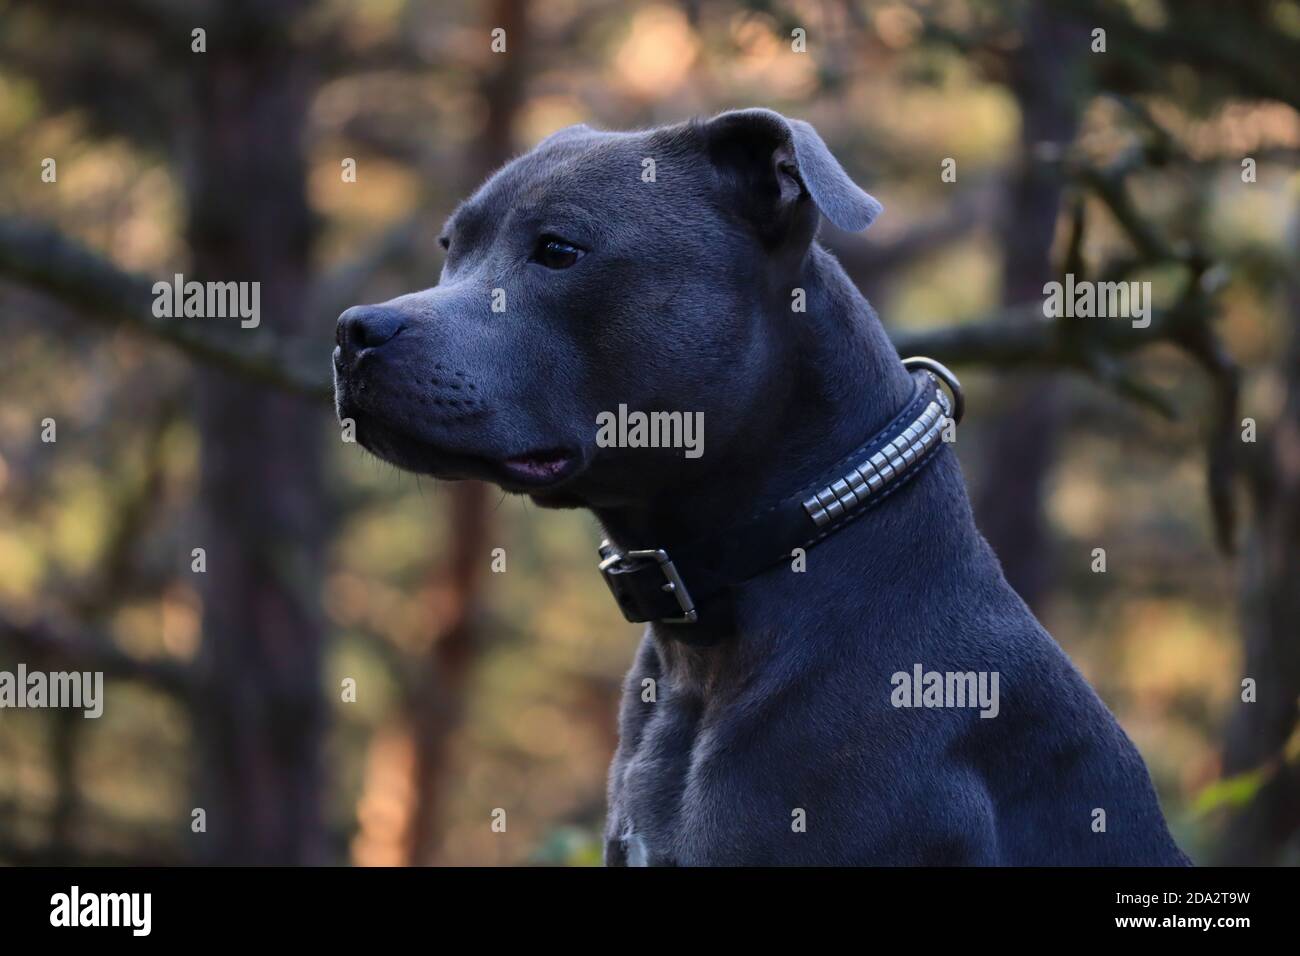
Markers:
575,168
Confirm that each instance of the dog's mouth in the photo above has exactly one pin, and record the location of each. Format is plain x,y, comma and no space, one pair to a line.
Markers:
541,468
534,471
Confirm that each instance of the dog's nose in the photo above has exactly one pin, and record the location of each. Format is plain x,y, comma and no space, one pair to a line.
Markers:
365,327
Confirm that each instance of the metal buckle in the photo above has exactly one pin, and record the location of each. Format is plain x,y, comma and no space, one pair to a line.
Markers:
627,560
941,372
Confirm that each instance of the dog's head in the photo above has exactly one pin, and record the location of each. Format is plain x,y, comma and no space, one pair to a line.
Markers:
652,270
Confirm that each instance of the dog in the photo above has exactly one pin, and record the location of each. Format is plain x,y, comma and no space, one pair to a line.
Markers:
835,670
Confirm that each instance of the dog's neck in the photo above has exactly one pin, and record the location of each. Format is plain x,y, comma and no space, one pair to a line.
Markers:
834,380
839,381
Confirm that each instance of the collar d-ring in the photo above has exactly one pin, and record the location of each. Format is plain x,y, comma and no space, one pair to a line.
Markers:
950,381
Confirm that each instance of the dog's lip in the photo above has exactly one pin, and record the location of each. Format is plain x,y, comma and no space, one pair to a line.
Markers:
542,467
531,472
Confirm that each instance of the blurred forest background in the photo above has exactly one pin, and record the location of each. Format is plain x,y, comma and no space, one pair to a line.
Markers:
1168,156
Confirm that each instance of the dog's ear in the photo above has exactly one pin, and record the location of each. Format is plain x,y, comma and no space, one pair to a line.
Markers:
775,165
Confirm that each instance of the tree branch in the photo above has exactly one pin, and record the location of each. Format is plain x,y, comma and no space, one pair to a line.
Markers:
1210,40
1022,336
144,17
45,644
99,290
864,260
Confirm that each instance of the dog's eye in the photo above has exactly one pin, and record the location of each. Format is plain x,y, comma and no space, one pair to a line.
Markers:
444,241
554,253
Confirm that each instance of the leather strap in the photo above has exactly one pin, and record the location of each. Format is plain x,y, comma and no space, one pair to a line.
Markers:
652,585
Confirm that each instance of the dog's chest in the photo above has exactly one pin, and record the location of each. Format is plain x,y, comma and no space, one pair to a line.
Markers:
660,781
646,820
633,849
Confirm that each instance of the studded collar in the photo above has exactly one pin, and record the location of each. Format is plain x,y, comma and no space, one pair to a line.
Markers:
678,589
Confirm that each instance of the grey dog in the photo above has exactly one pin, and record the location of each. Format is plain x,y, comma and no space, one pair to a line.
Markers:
787,705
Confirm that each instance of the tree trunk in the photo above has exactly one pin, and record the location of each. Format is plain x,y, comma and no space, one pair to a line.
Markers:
1270,619
259,711
1010,506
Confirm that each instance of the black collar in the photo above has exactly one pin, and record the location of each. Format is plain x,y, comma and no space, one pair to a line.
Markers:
650,585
